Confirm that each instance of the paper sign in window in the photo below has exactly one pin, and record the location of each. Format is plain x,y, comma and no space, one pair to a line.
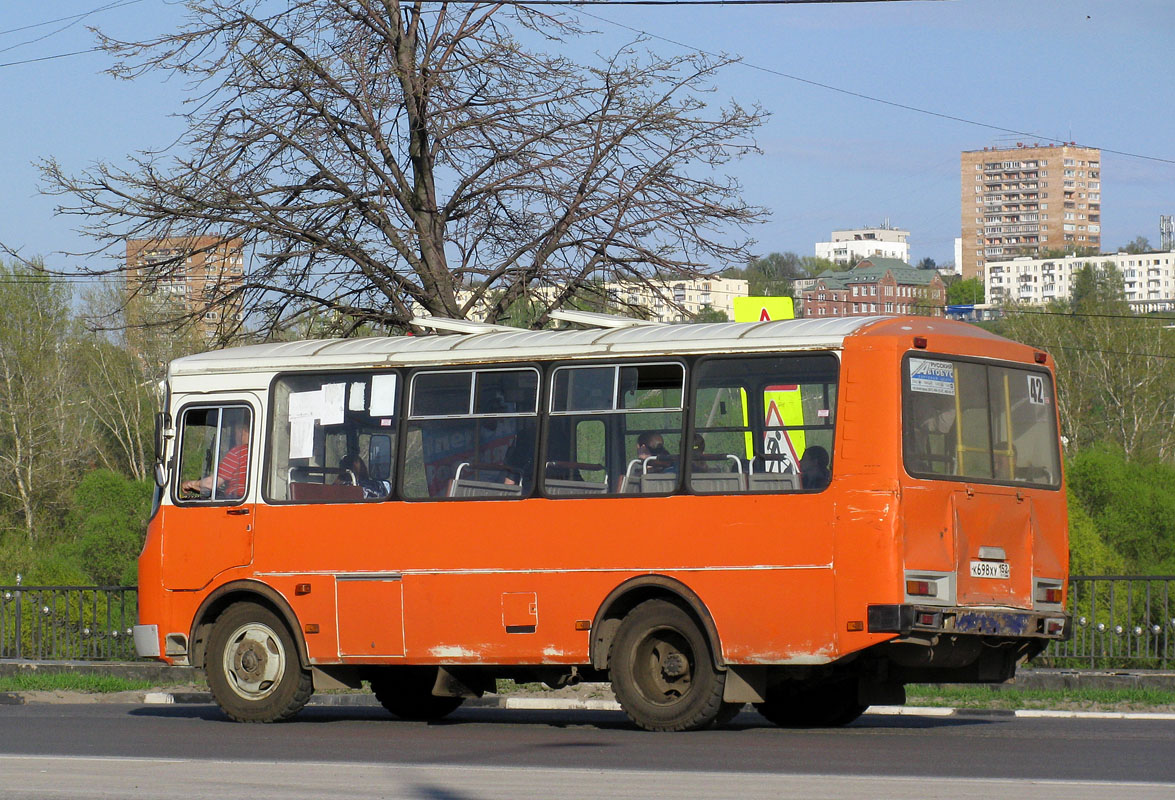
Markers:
383,395
304,411
333,398
358,396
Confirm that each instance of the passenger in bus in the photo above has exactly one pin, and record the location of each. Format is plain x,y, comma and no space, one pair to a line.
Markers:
1003,459
698,460
814,472
650,449
232,470
520,455
353,472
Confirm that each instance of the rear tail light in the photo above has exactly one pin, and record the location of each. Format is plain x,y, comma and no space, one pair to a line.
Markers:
927,587
920,588
1054,627
1049,592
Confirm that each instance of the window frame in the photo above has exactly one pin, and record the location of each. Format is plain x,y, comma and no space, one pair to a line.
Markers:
696,369
408,397
176,470
271,420
544,438
987,364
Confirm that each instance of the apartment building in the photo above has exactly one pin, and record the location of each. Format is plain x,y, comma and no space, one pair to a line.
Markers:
664,301
850,245
875,286
1027,200
194,273
1148,279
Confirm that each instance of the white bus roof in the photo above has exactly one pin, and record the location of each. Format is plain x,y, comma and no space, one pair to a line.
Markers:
524,345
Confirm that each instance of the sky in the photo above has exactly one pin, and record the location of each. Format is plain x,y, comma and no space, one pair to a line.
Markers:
1096,72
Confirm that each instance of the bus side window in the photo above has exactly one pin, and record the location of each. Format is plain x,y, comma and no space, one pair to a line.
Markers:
471,433
763,424
332,437
600,415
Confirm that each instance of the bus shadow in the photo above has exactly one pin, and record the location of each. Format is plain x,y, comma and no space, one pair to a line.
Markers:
748,721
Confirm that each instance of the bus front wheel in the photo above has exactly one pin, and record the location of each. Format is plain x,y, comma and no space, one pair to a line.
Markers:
662,672
253,668
407,693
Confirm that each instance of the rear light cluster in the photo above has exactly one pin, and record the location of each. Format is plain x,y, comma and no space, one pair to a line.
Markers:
928,587
1048,592
921,588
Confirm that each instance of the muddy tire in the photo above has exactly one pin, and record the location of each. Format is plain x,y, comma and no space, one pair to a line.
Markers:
253,668
662,670
826,705
407,693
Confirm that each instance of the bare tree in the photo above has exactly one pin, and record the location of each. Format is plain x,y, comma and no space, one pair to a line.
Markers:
39,442
374,154
120,362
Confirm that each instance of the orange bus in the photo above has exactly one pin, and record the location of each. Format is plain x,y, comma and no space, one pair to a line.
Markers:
805,515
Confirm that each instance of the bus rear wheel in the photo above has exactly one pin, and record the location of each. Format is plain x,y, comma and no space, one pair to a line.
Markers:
662,671
407,693
799,705
253,668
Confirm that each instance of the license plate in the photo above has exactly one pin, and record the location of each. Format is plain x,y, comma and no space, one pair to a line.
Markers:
991,569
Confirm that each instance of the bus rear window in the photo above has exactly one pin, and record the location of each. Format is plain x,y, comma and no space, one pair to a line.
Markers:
964,419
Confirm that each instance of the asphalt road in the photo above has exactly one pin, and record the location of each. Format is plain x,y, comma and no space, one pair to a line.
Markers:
75,751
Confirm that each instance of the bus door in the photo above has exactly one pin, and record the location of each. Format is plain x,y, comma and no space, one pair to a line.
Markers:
209,526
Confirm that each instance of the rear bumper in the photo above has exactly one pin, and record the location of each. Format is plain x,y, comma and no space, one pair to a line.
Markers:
906,618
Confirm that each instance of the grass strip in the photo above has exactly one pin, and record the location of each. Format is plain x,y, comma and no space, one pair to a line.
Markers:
70,682
1083,699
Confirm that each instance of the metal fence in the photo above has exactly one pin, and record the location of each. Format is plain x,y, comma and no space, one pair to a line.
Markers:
1119,622
82,623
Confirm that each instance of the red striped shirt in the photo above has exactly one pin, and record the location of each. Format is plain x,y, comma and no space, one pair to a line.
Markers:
233,470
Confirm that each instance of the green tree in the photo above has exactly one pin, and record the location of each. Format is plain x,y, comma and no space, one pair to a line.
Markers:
1140,244
109,515
709,314
772,275
1088,552
1115,370
1132,505
965,291
1098,290
927,263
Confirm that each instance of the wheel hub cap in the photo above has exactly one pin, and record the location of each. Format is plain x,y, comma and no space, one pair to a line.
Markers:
254,661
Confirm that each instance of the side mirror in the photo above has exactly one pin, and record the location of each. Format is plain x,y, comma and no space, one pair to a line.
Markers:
160,474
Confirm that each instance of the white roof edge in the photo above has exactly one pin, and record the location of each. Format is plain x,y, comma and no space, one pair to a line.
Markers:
519,344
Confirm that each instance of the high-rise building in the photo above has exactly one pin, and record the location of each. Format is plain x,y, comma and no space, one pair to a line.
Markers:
195,274
1028,200
850,245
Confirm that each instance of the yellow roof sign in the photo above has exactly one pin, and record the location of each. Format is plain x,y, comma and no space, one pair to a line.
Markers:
763,309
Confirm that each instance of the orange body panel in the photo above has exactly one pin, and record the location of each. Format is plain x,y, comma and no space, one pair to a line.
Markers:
786,578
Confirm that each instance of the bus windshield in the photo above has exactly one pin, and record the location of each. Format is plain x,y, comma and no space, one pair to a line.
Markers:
979,421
